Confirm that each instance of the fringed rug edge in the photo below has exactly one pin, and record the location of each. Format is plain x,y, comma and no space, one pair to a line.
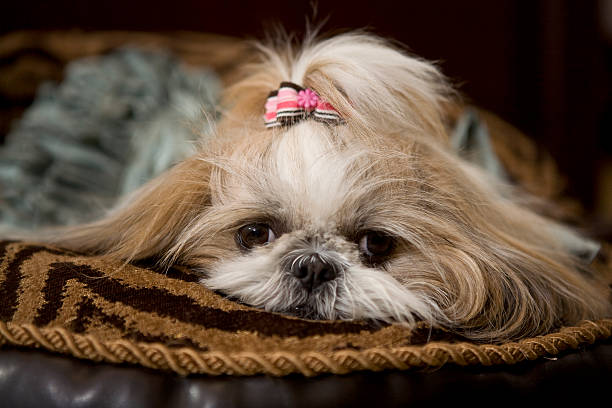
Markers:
186,361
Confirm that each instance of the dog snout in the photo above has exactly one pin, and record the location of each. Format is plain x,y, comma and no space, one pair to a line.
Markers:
313,272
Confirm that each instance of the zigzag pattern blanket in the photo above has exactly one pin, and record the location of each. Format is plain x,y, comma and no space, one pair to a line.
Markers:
90,308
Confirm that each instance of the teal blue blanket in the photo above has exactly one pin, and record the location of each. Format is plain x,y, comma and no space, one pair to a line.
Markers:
113,122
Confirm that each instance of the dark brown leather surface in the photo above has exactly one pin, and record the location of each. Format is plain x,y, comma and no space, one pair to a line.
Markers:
34,379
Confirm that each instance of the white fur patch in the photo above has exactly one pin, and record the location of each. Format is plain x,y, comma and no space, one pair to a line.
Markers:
312,173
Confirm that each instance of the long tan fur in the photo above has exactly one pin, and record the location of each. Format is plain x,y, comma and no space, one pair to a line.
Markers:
469,257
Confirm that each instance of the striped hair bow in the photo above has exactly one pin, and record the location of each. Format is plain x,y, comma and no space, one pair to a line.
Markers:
291,103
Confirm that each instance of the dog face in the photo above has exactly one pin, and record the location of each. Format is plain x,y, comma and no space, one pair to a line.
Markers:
373,218
311,227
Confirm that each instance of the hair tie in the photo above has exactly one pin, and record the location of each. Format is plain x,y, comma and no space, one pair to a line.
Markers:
291,103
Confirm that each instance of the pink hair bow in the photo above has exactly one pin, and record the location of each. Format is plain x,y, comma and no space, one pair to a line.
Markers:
291,103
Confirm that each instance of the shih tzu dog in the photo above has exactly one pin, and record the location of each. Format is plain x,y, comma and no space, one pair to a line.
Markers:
346,202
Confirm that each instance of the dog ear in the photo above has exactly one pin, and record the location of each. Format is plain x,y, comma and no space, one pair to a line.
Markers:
148,221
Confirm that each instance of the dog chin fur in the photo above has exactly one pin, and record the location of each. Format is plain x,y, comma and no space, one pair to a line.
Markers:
468,255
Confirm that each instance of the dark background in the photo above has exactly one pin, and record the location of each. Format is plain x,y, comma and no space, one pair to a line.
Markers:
542,65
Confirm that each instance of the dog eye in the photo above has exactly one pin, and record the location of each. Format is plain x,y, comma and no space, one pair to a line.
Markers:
255,235
375,244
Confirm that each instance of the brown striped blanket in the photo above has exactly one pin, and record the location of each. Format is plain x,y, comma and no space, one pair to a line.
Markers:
92,309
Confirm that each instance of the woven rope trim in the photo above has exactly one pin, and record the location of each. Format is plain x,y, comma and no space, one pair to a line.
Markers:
189,361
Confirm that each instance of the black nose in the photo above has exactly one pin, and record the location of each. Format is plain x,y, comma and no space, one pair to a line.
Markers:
313,272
